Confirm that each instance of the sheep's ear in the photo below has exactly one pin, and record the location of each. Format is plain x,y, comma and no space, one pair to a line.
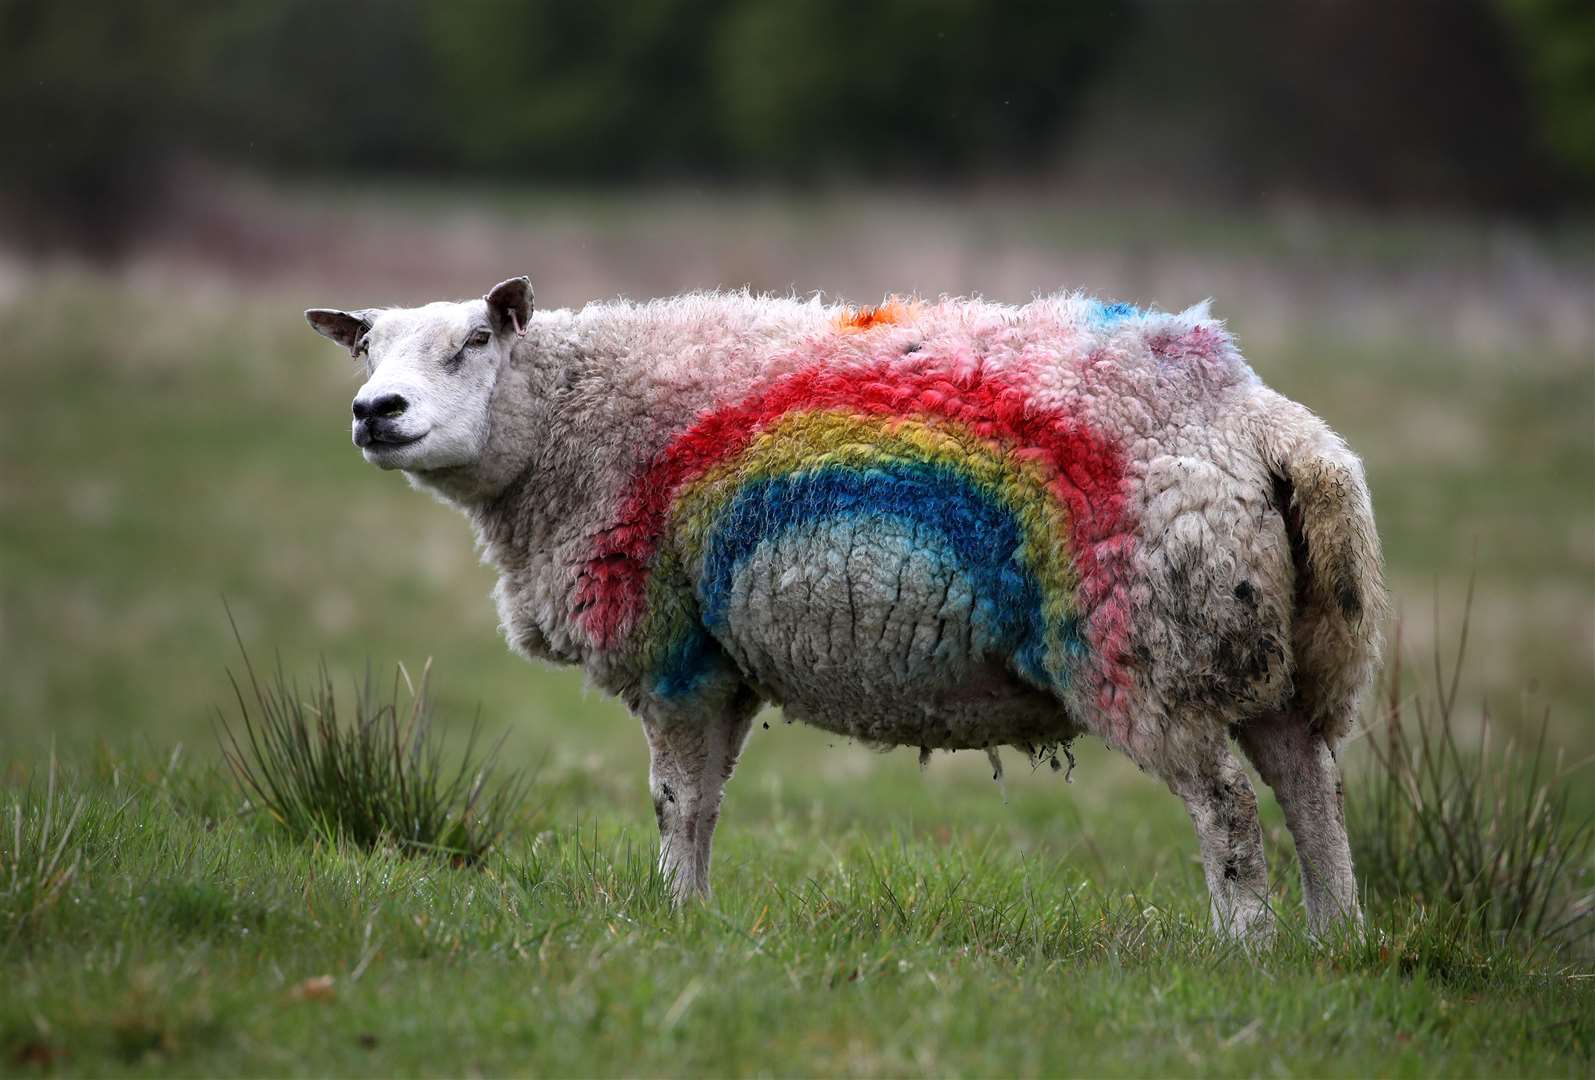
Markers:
344,327
509,304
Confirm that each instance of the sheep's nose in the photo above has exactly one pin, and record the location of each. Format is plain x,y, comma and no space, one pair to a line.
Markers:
387,405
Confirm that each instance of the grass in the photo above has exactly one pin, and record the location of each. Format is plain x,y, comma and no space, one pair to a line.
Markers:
1484,830
184,437
211,945
41,859
376,779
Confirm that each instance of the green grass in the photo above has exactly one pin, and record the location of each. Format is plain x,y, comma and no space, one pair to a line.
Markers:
372,774
196,941
166,443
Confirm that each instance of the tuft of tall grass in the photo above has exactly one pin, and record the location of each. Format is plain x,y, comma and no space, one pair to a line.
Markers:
1483,829
39,853
375,779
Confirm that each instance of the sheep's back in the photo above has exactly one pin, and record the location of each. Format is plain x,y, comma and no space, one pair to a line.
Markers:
918,512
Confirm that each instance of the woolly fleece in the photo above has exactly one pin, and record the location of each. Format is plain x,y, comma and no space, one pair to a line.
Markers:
948,525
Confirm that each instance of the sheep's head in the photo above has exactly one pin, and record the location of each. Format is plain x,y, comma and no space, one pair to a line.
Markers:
430,373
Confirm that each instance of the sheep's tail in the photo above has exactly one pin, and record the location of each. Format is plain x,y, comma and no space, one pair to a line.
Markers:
1341,605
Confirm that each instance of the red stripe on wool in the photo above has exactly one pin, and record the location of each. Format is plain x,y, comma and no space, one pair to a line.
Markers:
1085,469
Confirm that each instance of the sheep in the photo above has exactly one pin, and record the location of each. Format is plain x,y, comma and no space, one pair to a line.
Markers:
944,525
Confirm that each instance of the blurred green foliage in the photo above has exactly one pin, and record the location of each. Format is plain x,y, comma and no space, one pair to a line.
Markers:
612,89
903,84
1477,101
1557,39
97,94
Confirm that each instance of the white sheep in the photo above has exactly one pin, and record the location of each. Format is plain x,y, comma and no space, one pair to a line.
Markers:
939,525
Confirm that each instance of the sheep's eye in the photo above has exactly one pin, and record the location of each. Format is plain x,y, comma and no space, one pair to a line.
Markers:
363,346
478,339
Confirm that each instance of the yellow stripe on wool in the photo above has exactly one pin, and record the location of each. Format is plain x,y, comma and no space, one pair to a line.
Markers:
811,440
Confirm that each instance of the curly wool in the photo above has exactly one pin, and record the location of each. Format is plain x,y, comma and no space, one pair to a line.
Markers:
650,418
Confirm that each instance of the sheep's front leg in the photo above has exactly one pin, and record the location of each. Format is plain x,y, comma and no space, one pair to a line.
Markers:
1223,808
692,754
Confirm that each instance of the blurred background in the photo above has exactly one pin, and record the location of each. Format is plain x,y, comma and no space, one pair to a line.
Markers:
1391,201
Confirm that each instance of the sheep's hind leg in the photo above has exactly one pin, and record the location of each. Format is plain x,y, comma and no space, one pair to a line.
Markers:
1219,799
693,750
1294,760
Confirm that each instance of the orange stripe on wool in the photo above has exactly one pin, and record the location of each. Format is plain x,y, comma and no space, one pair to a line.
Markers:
894,312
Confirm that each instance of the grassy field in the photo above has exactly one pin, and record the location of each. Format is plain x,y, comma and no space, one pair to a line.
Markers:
198,943
171,433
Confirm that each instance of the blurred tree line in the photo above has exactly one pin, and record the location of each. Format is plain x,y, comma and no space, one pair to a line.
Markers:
1472,102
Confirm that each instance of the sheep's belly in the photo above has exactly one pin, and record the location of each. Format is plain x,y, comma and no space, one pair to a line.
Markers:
869,628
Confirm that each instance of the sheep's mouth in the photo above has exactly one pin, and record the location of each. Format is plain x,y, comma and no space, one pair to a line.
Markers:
378,436
390,450
389,441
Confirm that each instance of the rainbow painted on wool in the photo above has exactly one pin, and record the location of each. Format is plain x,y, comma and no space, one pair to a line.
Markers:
1025,502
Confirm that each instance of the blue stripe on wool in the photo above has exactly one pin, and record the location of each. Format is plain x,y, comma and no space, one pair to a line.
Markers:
1108,314
688,663
978,533
981,534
